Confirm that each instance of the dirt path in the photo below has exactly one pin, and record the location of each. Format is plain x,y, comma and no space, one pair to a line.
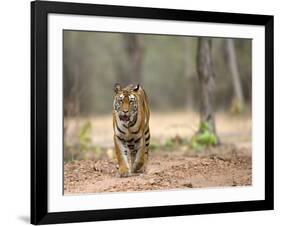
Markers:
167,170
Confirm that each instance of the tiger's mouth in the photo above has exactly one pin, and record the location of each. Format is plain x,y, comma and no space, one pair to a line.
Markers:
124,118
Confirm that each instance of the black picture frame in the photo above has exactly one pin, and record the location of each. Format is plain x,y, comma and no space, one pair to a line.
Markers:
39,112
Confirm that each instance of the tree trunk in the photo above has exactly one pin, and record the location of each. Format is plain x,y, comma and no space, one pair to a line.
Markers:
206,78
187,47
134,50
233,66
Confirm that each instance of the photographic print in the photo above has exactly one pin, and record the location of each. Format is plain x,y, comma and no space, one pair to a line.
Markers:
146,112
155,112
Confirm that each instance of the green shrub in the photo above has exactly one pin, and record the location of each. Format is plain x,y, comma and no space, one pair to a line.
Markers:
204,137
85,142
169,144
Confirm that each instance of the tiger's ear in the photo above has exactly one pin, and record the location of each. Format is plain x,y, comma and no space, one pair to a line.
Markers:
136,88
117,87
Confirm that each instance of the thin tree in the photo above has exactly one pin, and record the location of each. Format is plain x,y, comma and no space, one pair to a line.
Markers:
120,68
187,45
206,77
71,78
233,67
134,50
72,86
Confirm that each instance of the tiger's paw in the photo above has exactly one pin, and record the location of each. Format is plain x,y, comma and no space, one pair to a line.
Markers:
123,172
122,175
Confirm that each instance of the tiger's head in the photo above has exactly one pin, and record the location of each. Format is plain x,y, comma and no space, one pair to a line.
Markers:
126,103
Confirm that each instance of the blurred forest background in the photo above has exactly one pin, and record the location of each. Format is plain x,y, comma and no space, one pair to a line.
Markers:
167,67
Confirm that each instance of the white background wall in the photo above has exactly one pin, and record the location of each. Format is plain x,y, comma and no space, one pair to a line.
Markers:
15,113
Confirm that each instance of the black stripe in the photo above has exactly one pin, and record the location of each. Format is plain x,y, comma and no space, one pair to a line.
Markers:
122,140
147,130
136,141
119,129
146,139
131,146
134,122
131,125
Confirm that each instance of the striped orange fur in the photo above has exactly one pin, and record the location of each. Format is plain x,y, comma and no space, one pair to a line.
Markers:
131,129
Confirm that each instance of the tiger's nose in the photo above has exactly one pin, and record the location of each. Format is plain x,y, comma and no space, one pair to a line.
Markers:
125,111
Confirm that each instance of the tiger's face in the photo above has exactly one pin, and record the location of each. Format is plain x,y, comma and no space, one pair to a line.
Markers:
125,103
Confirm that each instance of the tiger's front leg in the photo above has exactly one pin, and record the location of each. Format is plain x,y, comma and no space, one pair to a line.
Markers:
123,167
140,163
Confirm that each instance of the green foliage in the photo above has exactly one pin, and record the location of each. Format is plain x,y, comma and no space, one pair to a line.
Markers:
236,107
204,137
85,141
185,141
174,142
153,146
204,126
85,137
66,146
169,144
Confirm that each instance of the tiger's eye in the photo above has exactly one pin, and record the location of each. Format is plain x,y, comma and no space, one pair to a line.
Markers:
132,98
117,105
121,97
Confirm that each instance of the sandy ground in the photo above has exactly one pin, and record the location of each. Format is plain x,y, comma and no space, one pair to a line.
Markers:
227,165
170,170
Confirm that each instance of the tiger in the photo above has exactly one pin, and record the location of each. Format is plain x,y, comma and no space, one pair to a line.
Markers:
131,129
